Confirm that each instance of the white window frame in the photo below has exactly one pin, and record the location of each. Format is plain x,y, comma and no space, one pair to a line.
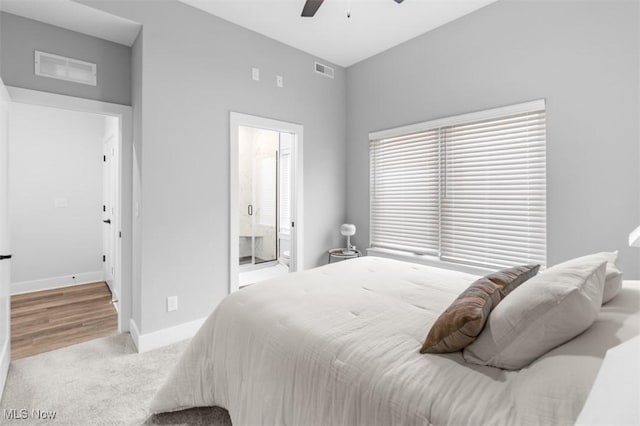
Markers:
488,114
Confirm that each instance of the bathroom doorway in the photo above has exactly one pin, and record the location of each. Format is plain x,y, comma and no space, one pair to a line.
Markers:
264,199
264,169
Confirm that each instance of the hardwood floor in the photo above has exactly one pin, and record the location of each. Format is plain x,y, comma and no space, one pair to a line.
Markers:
46,320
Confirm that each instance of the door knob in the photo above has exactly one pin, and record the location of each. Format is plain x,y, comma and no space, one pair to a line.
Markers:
107,221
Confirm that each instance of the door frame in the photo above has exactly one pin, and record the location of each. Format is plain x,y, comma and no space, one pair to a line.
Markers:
125,167
110,202
237,119
5,243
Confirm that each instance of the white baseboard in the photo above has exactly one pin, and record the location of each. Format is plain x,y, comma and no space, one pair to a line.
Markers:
5,360
56,282
166,336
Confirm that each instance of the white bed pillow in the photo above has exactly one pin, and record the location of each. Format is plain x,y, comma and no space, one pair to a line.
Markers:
542,313
612,284
613,278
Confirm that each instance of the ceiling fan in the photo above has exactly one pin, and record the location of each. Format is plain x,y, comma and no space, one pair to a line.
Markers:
311,7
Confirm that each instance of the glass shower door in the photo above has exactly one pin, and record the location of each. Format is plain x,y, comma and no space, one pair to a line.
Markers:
258,155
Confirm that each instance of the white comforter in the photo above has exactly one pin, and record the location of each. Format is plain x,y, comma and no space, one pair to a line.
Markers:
339,345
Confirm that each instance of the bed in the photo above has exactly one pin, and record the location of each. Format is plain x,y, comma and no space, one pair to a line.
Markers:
339,345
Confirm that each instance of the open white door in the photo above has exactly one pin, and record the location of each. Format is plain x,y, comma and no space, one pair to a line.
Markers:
5,258
109,216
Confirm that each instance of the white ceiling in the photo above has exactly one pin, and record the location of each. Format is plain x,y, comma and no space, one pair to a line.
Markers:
374,25
76,17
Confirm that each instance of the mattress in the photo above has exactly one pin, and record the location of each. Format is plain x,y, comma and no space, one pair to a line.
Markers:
338,345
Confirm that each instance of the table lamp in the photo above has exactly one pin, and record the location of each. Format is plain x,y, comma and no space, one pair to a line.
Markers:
347,230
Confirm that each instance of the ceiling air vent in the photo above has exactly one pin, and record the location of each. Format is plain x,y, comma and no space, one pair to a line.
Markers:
54,66
325,70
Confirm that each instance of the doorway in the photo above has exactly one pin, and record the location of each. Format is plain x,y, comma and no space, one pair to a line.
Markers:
62,185
114,209
265,203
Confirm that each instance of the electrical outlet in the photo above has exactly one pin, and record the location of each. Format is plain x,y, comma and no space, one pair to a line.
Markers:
172,303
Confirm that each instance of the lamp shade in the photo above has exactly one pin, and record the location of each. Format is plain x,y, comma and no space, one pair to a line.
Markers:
634,238
348,229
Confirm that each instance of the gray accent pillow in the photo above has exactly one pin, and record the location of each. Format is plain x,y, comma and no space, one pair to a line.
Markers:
544,312
463,320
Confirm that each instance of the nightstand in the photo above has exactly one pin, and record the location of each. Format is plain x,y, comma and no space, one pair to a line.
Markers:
338,254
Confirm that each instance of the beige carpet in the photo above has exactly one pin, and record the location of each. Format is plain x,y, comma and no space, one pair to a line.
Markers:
101,382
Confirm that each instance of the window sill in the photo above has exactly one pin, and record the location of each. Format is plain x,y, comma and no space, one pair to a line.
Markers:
427,260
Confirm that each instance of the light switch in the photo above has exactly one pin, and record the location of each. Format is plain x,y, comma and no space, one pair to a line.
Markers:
172,303
255,74
60,203
279,81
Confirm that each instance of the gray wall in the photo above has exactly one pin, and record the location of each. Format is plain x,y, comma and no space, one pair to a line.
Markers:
582,57
21,37
195,69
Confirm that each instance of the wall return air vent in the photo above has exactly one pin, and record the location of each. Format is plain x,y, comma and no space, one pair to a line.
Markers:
61,68
325,70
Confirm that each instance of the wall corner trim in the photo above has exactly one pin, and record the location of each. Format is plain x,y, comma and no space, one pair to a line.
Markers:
166,336
135,334
5,360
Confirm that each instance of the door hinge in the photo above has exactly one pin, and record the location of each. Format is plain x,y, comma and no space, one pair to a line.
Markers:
293,224
104,208
104,158
104,257
120,234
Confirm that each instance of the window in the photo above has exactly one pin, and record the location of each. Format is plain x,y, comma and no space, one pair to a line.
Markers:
468,189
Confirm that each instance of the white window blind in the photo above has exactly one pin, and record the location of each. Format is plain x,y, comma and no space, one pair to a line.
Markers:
494,191
470,189
404,192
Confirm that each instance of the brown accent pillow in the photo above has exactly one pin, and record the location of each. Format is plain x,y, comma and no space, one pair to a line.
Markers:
463,320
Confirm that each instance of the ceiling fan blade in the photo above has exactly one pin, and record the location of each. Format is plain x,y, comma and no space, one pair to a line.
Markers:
311,7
